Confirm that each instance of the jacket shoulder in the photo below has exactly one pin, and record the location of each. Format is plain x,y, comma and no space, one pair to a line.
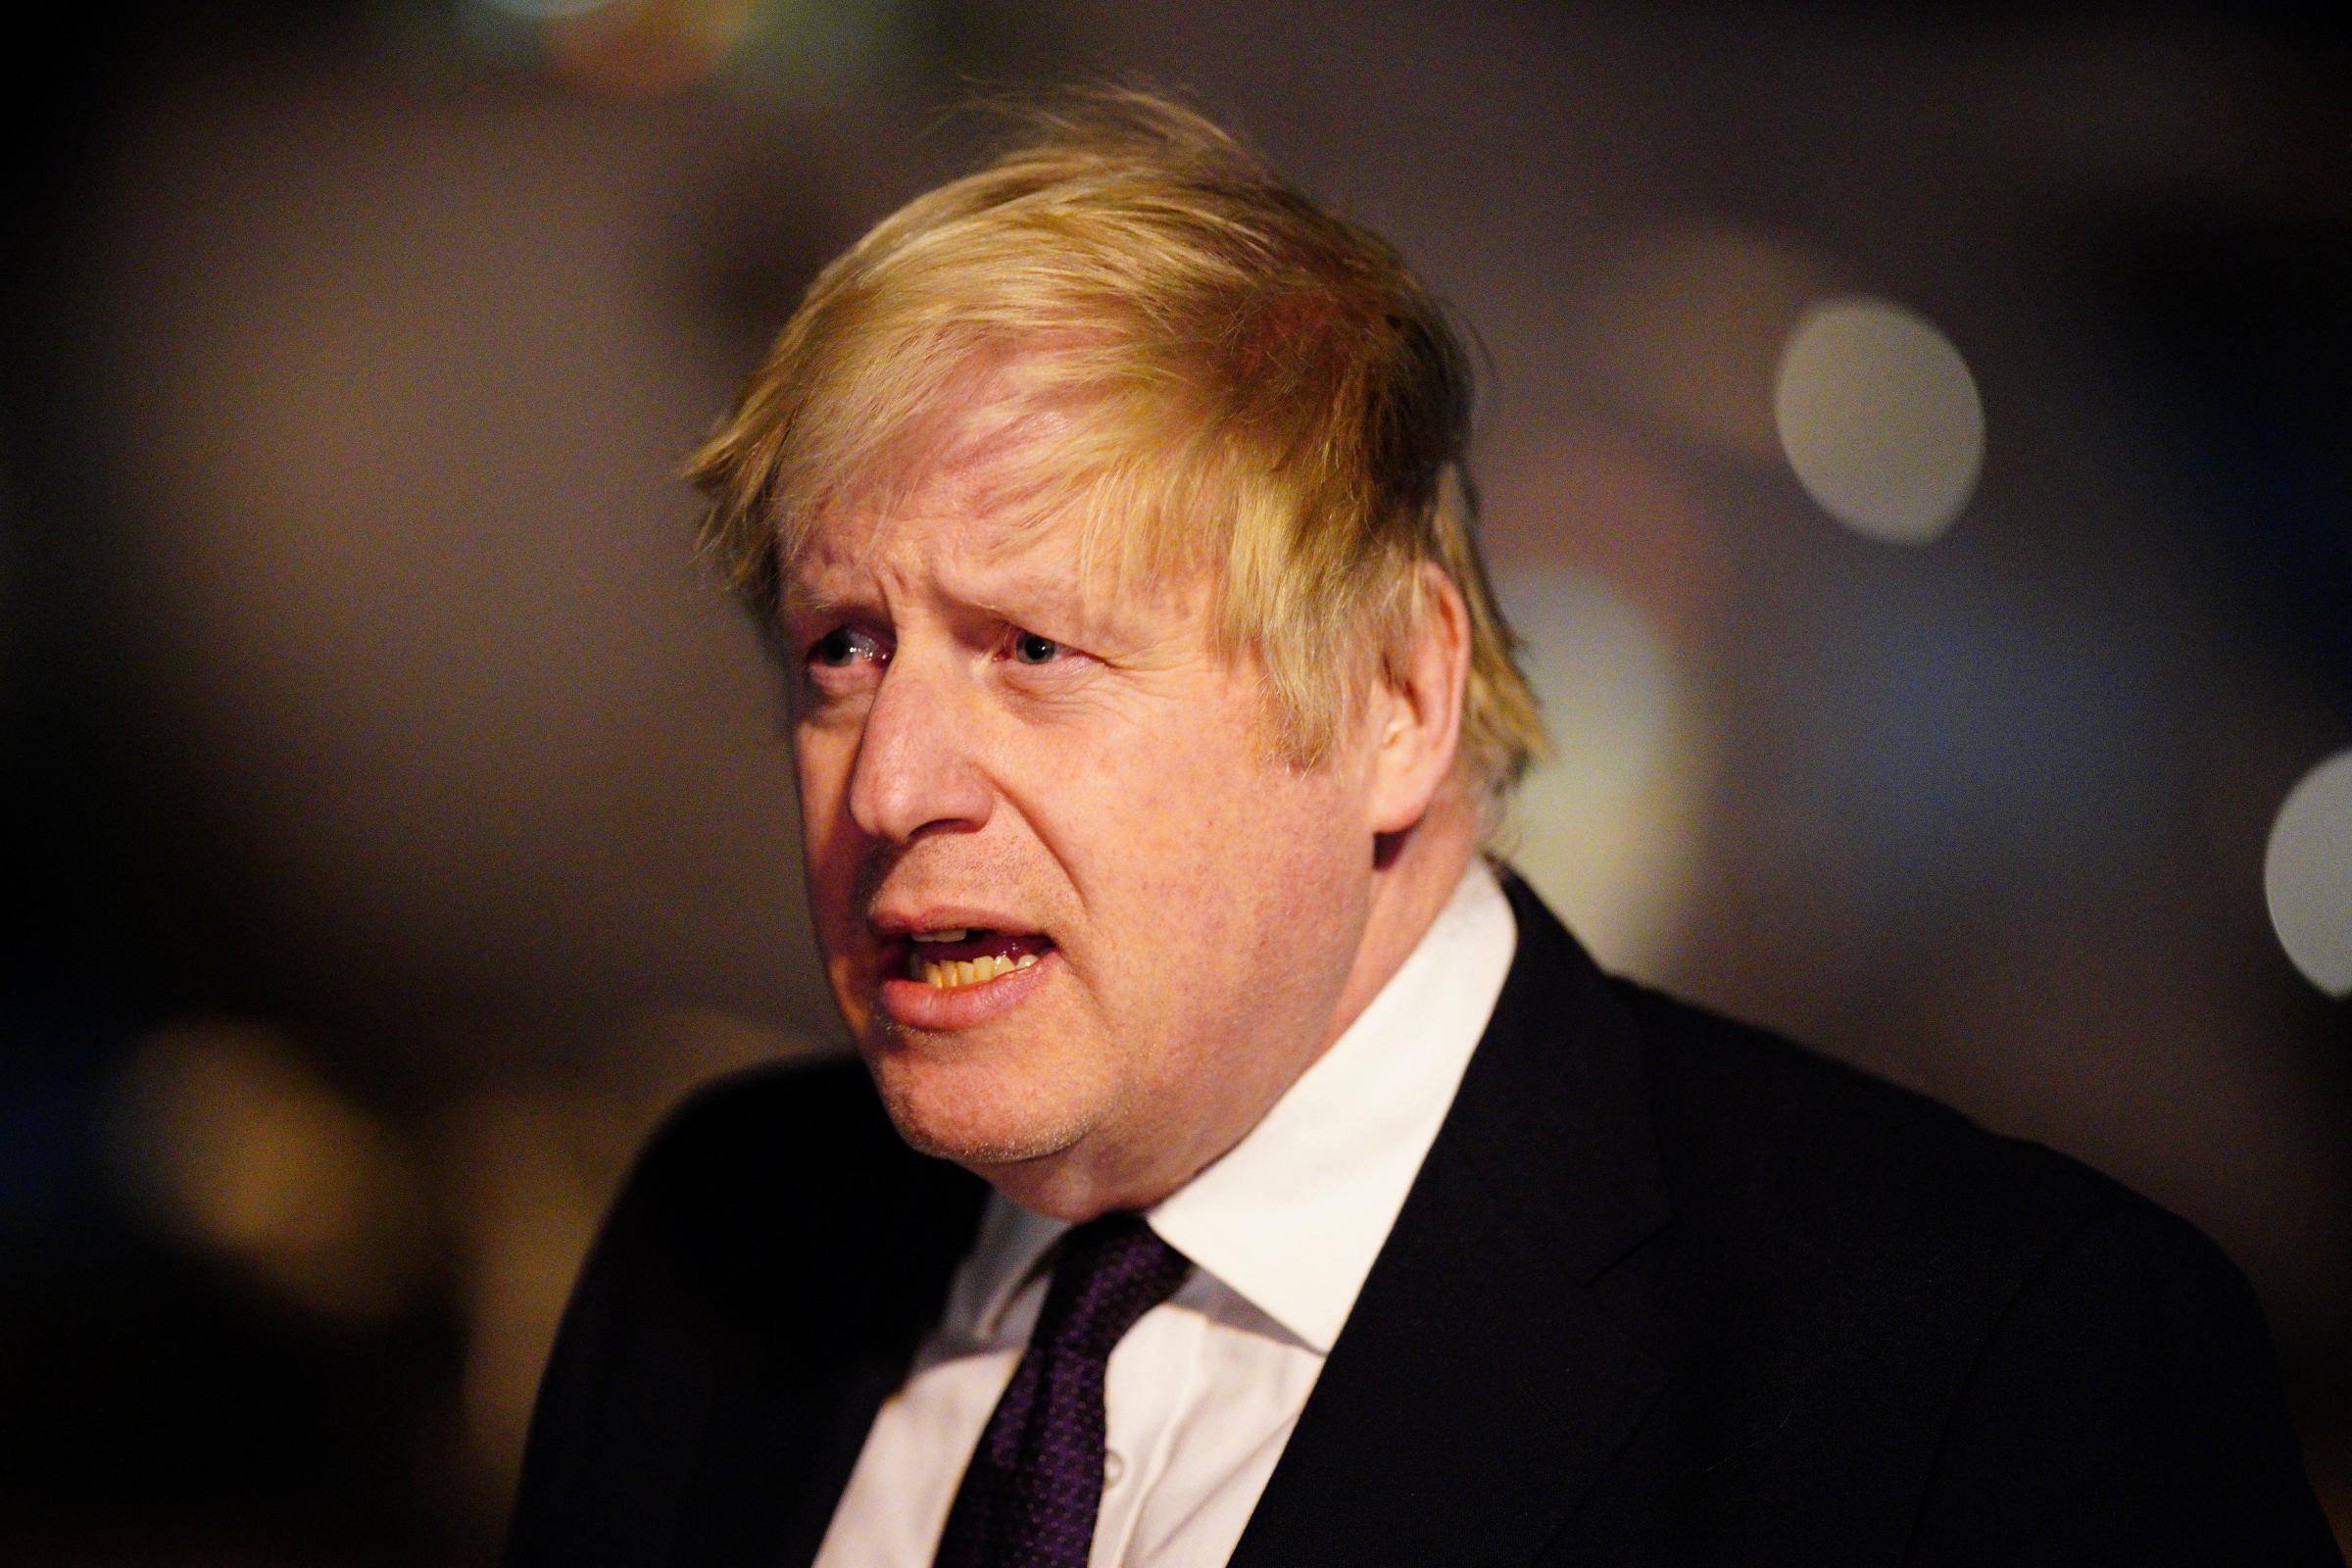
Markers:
772,1211
1877,1312
1753,1123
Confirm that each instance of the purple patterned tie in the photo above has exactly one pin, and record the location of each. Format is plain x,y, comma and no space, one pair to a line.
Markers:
1030,1495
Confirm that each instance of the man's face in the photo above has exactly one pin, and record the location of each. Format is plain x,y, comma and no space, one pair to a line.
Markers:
1081,785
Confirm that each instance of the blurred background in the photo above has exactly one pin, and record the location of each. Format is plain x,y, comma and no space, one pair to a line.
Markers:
1915,449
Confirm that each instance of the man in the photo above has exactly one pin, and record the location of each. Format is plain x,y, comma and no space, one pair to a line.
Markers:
1264,1176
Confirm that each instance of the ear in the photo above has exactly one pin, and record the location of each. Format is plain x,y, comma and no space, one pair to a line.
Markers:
1417,708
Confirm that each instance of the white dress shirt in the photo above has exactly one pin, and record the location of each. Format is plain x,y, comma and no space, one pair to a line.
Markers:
1201,1395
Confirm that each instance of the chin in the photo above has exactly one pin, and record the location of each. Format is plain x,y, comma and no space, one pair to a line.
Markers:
978,1117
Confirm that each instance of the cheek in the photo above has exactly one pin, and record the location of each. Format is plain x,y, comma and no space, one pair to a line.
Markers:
818,771
829,852
1244,866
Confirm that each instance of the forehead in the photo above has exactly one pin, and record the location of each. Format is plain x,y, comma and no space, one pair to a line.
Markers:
984,505
961,521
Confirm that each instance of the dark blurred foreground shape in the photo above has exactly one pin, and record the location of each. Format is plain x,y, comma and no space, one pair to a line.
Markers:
399,817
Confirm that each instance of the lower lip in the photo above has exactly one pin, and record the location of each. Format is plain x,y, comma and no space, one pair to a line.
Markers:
919,1004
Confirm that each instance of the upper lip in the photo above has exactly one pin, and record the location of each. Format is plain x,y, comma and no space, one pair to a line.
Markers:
893,923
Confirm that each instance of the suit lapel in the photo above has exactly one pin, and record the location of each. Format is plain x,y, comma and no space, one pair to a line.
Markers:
922,1232
834,1418
1479,1388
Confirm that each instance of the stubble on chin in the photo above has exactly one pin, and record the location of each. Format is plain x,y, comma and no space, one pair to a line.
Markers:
1009,1127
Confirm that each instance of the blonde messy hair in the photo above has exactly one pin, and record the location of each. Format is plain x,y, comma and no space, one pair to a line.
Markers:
1250,383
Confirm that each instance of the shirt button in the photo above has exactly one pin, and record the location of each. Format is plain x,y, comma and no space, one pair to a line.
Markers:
1113,1467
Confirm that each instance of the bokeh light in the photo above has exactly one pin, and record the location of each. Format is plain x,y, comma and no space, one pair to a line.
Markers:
528,1201
638,49
2307,875
1607,829
1879,416
641,48
231,1143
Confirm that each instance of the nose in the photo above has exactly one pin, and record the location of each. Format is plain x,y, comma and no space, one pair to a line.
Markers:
917,766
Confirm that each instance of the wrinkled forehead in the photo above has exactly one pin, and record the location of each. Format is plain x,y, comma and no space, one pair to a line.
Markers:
1004,474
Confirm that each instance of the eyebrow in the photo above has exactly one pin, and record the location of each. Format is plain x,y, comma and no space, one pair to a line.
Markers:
1012,592
995,591
796,598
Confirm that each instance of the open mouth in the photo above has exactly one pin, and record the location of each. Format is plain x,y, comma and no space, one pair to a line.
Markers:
948,960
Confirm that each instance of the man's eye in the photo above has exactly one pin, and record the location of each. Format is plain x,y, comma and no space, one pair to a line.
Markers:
842,647
1031,649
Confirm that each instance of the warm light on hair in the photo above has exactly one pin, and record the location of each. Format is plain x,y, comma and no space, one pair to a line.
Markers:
1244,380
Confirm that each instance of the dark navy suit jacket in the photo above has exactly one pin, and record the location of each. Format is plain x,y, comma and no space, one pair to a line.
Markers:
1668,1290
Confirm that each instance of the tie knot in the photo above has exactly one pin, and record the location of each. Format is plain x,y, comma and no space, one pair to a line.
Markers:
1112,1271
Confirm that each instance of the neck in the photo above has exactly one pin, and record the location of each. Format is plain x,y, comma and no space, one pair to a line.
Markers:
1414,876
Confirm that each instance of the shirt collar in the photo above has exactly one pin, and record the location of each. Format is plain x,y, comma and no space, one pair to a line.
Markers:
1293,1215
1012,1245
